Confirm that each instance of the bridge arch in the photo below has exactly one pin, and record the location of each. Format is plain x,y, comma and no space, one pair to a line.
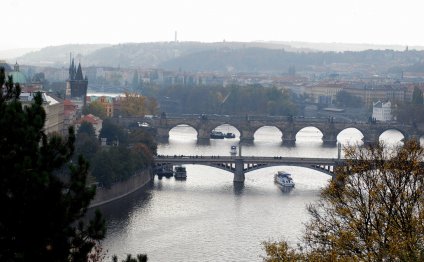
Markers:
312,128
327,170
271,128
350,134
183,125
393,132
227,125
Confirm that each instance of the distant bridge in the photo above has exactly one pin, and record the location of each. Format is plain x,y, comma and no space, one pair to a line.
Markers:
241,165
289,126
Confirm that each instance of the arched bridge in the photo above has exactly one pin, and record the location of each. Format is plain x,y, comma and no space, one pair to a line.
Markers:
289,126
241,165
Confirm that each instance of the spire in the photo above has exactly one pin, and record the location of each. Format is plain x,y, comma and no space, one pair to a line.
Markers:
79,76
71,70
16,67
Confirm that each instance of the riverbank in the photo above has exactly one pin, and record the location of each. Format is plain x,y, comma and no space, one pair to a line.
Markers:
122,189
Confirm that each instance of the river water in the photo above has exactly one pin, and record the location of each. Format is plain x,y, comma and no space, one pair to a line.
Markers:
207,217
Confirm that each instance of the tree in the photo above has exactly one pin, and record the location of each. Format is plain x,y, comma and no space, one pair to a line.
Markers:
87,128
86,146
372,211
95,108
112,132
42,212
344,98
134,104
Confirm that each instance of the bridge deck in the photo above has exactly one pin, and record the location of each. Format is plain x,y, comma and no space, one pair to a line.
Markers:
247,160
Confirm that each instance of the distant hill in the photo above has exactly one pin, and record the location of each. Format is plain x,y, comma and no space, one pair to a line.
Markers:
259,56
341,47
58,56
253,60
130,54
17,52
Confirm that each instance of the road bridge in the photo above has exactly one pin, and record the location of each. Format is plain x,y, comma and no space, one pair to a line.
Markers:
289,126
241,165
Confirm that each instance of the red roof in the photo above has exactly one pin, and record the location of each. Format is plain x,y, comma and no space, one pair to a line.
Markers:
90,118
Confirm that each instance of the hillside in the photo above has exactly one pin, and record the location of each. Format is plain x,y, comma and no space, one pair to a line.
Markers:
270,57
58,56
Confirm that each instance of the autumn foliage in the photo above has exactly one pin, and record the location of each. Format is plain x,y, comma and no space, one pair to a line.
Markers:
372,210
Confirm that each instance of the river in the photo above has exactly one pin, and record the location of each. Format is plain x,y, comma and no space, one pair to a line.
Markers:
207,217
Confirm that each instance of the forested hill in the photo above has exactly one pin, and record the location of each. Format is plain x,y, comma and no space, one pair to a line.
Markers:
218,57
273,60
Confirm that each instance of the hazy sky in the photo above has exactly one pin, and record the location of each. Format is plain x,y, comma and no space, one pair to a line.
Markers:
39,23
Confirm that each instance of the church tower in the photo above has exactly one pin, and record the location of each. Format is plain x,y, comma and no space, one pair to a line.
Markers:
76,85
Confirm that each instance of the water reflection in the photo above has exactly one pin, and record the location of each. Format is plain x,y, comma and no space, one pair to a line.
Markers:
238,188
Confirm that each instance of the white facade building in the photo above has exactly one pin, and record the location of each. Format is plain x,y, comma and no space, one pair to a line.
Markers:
382,111
53,107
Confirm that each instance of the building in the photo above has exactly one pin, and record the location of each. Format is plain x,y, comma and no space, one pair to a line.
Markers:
105,101
70,114
53,107
76,85
94,120
382,111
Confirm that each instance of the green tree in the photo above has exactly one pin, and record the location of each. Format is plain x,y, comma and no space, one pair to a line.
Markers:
95,108
112,132
344,98
86,146
87,128
373,210
42,213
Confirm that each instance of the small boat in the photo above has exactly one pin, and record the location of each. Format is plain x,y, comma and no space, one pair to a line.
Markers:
180,172
217,135
230,135
283,179
233,150
164,171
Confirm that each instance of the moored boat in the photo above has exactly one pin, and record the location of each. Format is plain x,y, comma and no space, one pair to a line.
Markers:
217,135
283,179
164,171
180,172
230,135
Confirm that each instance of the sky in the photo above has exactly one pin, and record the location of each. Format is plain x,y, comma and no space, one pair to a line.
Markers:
41,23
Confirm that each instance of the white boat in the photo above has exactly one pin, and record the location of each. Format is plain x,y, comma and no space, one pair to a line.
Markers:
180,172
283,179
233,150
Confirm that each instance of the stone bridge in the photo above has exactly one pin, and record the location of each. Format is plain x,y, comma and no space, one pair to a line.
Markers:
289,126
241,165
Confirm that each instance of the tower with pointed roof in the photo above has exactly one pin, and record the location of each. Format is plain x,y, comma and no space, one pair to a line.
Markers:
76,85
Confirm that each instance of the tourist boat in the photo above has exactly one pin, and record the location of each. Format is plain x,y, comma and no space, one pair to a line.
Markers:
217,135
164,171
283,179
233,150
230,135
180,172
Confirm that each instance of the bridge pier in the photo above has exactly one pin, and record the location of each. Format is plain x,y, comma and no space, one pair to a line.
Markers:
370,138
330,138
203,134
239,172
162,135
246,140
203,141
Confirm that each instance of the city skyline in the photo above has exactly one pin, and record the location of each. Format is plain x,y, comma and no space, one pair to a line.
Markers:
36,24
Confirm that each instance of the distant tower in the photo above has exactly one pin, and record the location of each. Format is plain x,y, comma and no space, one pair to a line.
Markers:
76,85
176,39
